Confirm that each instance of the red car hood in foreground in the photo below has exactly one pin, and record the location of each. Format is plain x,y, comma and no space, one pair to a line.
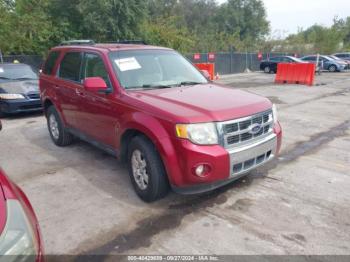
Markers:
10,191
203,103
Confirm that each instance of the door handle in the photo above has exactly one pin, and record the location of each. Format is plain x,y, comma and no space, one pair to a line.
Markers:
78,92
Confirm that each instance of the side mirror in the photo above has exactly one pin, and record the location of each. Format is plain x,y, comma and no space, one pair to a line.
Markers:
206,74
95,84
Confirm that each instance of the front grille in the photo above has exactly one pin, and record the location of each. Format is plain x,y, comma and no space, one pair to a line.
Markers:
251,163
33,96
239,131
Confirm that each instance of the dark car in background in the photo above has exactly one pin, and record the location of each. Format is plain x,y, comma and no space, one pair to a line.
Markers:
326,63
19,89
344,56
270,65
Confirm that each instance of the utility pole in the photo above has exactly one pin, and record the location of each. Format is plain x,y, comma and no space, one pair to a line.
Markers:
1,58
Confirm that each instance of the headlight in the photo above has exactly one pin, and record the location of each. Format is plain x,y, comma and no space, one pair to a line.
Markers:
11,96
274,113
17,239
202,134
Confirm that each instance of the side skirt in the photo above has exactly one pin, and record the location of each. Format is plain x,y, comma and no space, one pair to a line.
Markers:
108,149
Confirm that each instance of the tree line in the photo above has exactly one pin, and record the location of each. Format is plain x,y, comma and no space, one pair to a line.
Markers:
33,26
316,39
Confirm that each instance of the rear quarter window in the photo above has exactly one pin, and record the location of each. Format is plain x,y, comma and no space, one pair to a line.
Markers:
50,62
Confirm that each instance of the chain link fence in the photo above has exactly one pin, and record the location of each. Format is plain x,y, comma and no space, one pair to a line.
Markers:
232,63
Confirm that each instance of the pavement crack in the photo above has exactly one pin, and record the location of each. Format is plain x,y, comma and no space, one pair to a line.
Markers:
338,93
146,229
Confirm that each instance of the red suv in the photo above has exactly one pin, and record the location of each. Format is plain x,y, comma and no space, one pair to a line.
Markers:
151,108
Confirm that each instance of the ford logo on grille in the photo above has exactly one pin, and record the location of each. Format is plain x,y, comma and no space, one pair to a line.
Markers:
255,129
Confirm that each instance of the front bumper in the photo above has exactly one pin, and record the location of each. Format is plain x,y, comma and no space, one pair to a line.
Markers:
20,105
238,162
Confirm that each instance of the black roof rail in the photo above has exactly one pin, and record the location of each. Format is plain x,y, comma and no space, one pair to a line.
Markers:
129,42
78,42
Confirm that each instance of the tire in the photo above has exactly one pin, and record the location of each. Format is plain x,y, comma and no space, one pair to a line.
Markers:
144,160
267,69
332,68
59,135
2,114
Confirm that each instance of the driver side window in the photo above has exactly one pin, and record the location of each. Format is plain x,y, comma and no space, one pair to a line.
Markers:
95,67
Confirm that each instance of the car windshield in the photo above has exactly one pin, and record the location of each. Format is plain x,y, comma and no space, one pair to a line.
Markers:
275,59
334,57
16,72
328,58
295,59
154,69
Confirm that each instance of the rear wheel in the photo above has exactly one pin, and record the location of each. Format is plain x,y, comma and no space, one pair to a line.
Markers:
59,135
332,68
267,70
146,170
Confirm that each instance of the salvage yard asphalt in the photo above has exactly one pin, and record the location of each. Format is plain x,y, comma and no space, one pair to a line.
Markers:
297,204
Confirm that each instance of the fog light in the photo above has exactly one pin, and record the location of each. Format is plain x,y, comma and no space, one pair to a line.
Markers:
202,170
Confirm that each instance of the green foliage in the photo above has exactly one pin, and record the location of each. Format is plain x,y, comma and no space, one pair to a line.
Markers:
165,32
243,17
26,27
110,20
317,39
33,26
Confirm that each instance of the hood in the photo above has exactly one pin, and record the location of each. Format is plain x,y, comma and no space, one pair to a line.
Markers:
341,62
203,103
20,87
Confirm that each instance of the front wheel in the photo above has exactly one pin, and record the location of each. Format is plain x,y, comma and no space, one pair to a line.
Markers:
146,170
332,68
59,135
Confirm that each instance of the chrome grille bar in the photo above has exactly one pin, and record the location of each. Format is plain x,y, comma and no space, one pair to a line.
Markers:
238,132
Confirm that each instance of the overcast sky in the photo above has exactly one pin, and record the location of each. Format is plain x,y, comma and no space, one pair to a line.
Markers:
287,15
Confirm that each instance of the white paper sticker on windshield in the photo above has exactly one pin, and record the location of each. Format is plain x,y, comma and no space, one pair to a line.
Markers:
126,64
1,70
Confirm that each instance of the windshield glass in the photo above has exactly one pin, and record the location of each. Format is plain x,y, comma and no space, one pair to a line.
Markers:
154,69
295,59
334,57
328,58
16,72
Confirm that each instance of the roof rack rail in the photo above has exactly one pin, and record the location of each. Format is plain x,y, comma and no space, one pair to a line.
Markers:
129,42
78,42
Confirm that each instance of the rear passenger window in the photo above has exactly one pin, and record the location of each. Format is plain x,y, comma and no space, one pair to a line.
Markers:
70,66
310,58
50,62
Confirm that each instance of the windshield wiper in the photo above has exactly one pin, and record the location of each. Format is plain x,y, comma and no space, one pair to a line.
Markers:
156,86
189,83
25,78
